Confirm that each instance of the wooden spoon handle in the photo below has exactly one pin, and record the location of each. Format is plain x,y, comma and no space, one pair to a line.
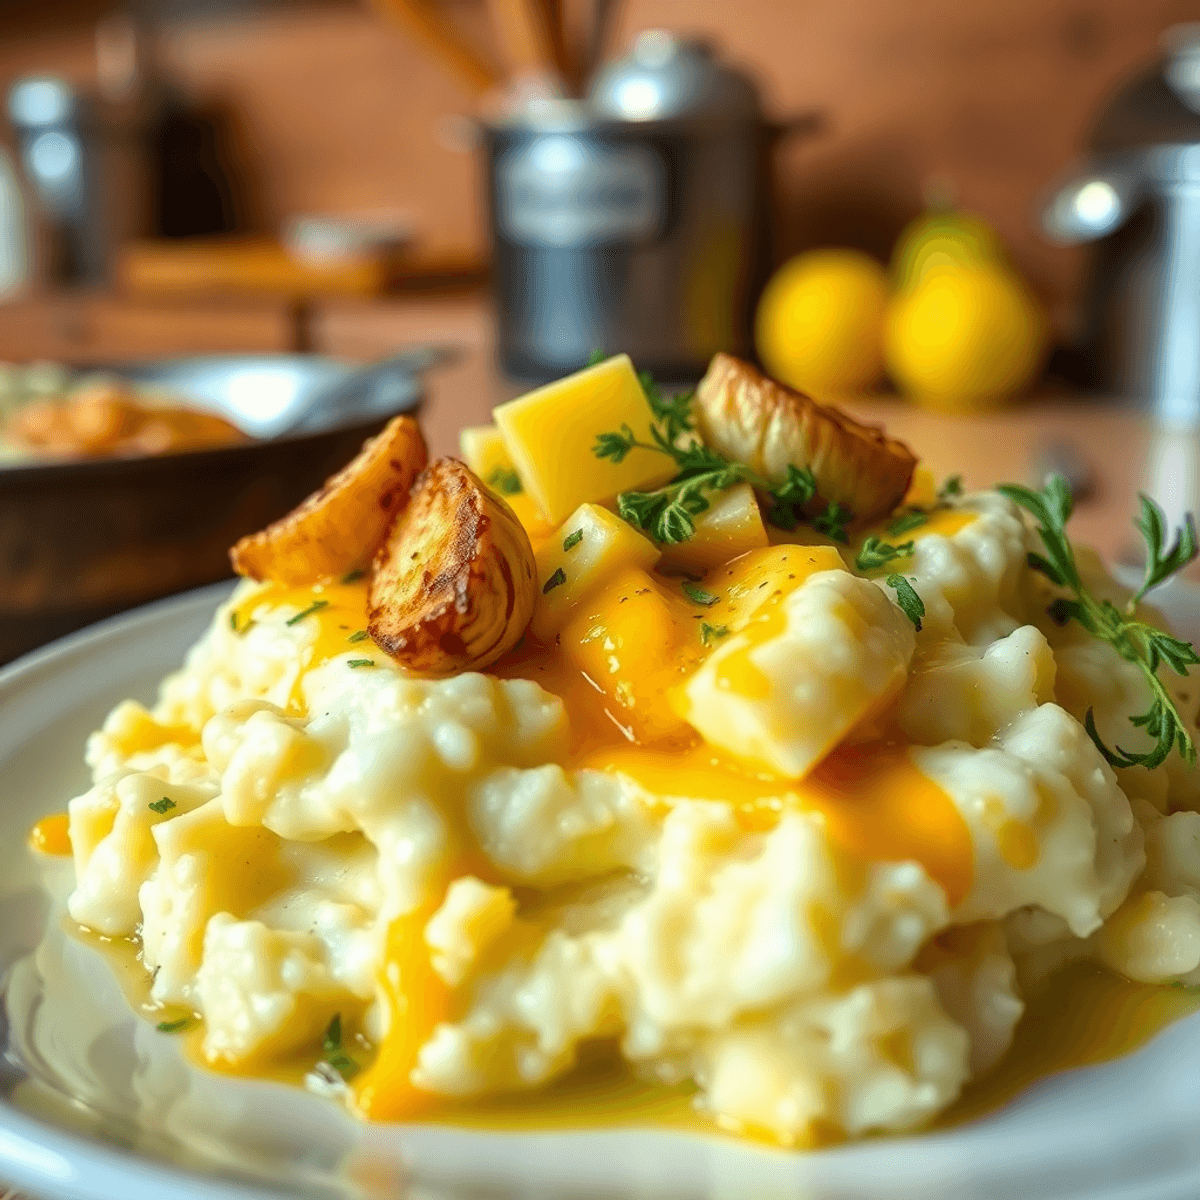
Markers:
428,20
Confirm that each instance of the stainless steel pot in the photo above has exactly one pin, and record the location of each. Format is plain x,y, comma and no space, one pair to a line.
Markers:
1138,200
634,220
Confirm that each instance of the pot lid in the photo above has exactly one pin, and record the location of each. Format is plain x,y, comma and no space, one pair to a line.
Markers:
1159,107
666,77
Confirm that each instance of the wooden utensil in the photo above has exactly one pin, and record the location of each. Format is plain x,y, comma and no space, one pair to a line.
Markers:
428,20
530,36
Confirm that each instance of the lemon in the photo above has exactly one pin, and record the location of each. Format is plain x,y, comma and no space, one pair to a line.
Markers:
965,338
943,238
819,326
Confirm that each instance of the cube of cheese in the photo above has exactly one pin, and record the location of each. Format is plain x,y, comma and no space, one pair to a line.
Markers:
731,526
484,451
590,548
550,434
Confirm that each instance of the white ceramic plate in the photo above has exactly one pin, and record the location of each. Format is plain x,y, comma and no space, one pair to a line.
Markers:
96,1105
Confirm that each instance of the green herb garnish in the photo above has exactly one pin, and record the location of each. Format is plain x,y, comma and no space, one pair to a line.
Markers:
315,606
359,635
173,1026
353,576
697,595
233,620
907,521
556,580
505,480
710,633
161,806
668,513
791,496
1135,641
333,1035
595,358
910,603
952,487
876,553
833,521
335,1056
573,539
360,662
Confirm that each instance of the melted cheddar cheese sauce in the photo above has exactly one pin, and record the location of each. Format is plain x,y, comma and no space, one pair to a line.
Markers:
552,894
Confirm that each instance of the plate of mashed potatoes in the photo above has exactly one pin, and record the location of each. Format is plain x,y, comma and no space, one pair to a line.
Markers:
677,796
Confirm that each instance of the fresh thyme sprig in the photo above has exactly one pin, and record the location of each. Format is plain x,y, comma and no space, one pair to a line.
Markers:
668,513
1135,641
675,412
791,496
876,553
833,521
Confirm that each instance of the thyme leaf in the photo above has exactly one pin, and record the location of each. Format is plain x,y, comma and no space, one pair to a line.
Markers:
1135,641
910,603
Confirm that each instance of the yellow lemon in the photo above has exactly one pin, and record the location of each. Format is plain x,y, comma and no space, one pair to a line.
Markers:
820,321
965,339
943,238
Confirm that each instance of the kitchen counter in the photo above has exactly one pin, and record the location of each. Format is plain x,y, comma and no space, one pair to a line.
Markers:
1106,441
1109,441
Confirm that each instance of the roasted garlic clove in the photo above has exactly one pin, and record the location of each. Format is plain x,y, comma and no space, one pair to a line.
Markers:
339,528
454,584
749,417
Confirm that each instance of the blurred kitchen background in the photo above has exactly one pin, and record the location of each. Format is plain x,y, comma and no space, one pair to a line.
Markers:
348,180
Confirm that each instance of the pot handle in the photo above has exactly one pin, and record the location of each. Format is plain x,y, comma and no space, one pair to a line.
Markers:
1091,206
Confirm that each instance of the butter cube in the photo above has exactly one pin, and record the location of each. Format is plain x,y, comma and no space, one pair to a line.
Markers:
589,549
550,434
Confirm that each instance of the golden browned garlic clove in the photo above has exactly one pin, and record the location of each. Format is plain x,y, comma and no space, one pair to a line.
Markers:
453,587
748,416
339,528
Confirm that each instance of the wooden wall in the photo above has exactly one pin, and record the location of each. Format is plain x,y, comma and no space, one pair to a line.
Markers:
336,110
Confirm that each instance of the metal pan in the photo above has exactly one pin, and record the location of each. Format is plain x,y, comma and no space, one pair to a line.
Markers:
82,540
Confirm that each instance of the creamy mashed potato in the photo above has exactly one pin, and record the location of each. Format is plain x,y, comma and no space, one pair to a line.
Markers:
819,891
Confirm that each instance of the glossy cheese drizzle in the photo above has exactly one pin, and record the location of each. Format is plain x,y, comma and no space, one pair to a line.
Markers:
335,613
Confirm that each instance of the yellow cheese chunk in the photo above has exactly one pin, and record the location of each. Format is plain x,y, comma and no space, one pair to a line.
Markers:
730,527
484,451
551,431
589,549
